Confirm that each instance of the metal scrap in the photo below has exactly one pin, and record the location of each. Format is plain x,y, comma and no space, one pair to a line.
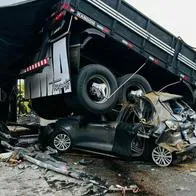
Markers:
124,189
85,162
44,160
5,156
13,157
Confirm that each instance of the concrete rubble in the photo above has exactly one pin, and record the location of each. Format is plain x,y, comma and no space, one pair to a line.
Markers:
59,174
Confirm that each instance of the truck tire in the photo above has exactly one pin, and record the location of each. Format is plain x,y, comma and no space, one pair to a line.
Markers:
137,82
95,84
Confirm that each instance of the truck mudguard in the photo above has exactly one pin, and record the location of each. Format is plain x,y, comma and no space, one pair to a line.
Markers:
55,78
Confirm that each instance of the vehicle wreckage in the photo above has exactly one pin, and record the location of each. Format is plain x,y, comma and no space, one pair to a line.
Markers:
169,122
157,125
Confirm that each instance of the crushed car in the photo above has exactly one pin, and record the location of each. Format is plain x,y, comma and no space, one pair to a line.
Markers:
167,121
156,125
172,126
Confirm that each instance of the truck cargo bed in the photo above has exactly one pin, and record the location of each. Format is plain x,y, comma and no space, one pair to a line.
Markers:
124,23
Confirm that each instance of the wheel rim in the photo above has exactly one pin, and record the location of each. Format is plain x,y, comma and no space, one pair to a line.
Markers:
62,142
135,90
161,156
98,89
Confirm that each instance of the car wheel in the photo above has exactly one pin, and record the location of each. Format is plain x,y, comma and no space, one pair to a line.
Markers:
161,156
136,84
61,141
95,84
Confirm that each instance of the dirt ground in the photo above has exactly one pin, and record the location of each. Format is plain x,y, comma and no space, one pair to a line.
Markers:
28,179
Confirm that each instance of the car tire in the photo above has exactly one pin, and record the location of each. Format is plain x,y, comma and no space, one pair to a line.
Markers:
60,140
89,79
137,82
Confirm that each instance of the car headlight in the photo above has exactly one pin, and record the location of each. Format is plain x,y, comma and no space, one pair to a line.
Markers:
171,125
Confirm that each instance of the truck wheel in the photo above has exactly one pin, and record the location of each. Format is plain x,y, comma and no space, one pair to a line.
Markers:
95,84
137,84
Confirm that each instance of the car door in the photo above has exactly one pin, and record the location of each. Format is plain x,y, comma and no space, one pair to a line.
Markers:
96,135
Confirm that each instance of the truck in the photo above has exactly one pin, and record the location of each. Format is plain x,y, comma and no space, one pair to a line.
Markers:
90,55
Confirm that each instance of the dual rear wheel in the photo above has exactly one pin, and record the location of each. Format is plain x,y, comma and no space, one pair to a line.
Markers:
92,90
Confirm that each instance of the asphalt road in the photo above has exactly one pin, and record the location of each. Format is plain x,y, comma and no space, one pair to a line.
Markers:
27,179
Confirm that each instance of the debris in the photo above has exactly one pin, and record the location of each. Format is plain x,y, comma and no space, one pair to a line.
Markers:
21,166
7,145
50,150
12,157
84,184
34,167
25,141
123,189
5,156
85,162
182,189
62,170
29,119
193,173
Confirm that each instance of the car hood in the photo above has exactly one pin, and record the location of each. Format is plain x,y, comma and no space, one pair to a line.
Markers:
154,97
159,101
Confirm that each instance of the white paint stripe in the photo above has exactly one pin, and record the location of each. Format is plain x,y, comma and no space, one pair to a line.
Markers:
150,36
186,61
138,28
42,62
128,20
8,3
110,11
130,24
45,61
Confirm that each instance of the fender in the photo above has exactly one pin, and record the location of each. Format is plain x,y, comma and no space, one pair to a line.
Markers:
90,33
87,35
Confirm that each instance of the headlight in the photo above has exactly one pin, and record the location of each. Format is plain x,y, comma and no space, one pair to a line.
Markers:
171,125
